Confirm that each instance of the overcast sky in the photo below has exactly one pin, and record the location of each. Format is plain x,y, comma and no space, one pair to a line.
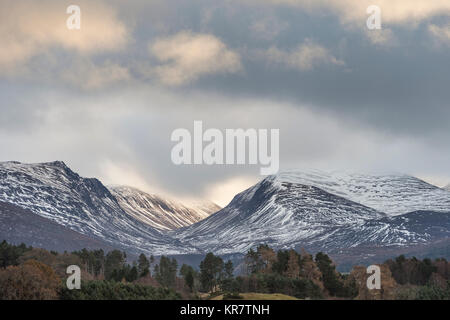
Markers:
105,99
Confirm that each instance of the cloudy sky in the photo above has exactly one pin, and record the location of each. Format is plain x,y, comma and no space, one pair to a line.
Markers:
106,98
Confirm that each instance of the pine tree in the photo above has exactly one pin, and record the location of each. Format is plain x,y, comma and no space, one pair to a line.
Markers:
143,265
211,271
166,272
188,274
132,274
229,269
330,277
114,261
281,264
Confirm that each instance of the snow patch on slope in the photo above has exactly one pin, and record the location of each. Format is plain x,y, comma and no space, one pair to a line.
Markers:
159,212
53,191
393,194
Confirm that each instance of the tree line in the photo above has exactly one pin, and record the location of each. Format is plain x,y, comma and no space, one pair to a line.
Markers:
33,273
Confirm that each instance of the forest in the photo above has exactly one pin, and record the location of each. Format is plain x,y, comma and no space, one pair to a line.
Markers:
28,273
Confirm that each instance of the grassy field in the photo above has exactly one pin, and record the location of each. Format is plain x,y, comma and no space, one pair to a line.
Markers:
261,296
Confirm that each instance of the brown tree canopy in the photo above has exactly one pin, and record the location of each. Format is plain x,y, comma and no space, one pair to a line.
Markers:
32,280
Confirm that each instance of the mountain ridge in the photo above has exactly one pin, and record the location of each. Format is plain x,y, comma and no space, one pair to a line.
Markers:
319,211
328,221
158,212
53,191
393,194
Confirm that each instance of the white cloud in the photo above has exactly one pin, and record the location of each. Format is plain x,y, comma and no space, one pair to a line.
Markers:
267,28
351,11
29,28
114,173
187,56
87,75
381,37
223,192
440,34
305,57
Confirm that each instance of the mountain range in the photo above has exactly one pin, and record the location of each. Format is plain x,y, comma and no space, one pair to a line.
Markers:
84,205
350,216
323,211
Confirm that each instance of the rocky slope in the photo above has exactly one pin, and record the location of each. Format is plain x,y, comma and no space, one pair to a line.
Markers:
159,212
19,225
349,215
326,212
393,194
53,191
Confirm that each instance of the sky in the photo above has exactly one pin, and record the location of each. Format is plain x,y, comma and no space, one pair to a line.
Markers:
105,98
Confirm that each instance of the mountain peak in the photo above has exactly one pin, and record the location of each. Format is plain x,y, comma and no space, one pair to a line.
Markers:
10,162
392,193
56,163
160,212
59,164
53,191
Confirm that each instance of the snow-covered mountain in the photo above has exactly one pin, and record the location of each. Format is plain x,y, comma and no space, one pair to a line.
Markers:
18,225
414,228
159,212
277,213
447,187
325,212
53,191
332,212
393,194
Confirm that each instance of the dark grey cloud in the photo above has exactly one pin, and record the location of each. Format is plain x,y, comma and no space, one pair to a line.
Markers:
400,87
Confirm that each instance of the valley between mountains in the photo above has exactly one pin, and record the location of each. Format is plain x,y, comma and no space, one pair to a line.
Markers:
355,218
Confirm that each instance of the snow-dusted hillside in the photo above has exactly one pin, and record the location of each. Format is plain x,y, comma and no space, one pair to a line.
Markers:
277,213
414,228
158,212
391,194
53,191
283,213
18,225
331,212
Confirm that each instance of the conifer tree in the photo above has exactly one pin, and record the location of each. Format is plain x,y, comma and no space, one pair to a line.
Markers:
143,265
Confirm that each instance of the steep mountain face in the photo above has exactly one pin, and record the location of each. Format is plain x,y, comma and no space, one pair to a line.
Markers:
19,225
391,194
354,217
414,228
158,212
447,187
53,191
325,212
280,214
